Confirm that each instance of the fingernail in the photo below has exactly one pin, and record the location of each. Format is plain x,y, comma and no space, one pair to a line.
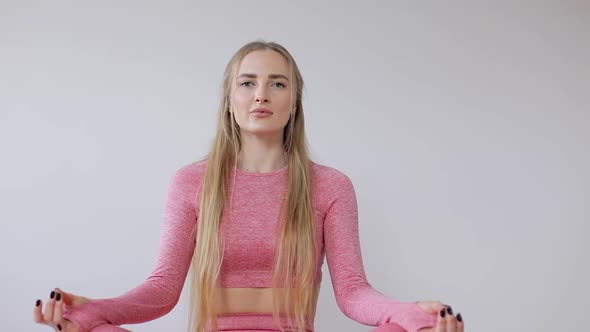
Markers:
449,310
442,313
59,327
58,297
52,294
37,303
459,318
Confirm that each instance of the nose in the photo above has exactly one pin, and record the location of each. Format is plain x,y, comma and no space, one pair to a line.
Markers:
261,95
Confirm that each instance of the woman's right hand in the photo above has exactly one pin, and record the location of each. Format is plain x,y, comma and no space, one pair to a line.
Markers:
54,308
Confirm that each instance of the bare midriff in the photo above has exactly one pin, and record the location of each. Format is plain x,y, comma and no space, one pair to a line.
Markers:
249,300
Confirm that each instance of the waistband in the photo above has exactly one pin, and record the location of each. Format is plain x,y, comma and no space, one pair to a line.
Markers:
253,321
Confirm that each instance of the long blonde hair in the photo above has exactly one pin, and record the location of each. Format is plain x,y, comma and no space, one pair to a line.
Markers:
295,266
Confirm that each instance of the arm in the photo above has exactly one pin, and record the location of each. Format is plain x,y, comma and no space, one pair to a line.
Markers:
355,296
160,292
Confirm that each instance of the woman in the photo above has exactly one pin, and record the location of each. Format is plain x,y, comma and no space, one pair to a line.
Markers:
266,216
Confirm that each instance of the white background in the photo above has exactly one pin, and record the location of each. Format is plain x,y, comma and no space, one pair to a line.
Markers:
464,126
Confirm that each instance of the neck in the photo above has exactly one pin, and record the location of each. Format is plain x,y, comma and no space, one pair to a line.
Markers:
260,154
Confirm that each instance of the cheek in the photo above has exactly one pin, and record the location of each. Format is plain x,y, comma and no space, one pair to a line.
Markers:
240,97
283,101
241,106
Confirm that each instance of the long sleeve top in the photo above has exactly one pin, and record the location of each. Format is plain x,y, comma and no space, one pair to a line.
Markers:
250,226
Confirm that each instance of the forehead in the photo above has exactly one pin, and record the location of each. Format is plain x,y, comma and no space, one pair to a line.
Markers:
263,62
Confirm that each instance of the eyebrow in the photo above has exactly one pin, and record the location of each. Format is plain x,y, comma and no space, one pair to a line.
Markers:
269,76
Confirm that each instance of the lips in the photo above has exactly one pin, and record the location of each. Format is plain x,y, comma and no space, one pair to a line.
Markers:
261,111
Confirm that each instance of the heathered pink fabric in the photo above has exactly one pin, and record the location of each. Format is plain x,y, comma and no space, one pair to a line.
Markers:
249,229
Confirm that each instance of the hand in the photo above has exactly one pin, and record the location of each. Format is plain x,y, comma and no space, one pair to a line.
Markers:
56,304
446,322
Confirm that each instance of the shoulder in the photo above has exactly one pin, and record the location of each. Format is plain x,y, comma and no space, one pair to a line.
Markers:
192,170
333,192
328,174
189,176
329,180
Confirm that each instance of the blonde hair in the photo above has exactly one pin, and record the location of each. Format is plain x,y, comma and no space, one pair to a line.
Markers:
295,265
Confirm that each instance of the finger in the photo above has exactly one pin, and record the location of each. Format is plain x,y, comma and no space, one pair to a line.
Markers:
67,298
441,323
437,306
48,313
37,313
460,324
449,309
58,310
451,320
432,307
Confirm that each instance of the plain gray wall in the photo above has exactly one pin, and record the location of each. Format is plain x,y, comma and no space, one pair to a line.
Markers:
464,126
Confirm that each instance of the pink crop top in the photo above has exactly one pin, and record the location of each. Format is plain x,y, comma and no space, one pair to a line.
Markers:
249,227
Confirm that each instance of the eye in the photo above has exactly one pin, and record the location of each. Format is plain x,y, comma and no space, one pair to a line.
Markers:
281,85
246,83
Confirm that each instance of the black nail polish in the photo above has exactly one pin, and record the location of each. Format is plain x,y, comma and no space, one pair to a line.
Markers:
459,318
37,303
442,313
52,295
449,310
59,327
58,297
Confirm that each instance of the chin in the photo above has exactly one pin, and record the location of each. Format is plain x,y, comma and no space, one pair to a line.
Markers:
263,130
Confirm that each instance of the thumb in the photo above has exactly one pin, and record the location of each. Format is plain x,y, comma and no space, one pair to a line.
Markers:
432,307
72,299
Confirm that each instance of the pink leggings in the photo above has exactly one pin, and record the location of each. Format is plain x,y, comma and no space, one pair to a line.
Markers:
108,328
391,327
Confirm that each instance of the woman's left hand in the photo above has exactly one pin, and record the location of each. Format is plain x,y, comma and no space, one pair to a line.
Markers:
446,322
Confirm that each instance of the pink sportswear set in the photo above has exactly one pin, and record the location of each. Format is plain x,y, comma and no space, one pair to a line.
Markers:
249,225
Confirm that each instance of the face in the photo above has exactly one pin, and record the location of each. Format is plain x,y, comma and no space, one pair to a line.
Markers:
261,95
